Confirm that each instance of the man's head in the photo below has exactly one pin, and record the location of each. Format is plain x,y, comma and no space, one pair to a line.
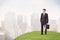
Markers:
44,10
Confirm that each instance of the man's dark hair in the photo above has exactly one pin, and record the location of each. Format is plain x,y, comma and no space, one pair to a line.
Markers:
44,9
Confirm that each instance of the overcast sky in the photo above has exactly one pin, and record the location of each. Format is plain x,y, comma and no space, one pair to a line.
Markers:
27,7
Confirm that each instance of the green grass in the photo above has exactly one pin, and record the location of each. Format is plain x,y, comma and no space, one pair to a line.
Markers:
37,36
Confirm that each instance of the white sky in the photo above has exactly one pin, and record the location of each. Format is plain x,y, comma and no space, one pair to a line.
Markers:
27,7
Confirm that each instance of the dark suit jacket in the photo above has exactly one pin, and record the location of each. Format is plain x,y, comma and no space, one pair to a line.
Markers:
44,19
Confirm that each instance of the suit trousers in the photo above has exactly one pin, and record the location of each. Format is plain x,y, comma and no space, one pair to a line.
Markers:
42,29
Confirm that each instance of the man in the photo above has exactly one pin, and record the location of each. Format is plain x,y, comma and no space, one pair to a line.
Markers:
44,21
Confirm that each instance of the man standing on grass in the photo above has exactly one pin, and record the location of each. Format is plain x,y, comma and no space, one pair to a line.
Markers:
44,21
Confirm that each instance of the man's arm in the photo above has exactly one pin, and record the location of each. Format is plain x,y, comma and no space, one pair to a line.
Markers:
41,18
47,18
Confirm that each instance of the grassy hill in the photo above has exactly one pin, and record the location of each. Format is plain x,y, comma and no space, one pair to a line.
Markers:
37,36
